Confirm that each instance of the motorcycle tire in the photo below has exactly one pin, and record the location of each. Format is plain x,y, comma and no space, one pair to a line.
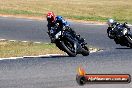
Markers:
85,51
58,44
116,41
109,34
67,50
123,42
129,39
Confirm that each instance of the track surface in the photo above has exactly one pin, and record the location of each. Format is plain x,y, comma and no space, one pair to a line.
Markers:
58,71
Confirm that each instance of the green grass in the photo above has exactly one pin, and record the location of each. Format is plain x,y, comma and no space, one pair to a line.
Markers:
88,10
18,48
13,49
19,12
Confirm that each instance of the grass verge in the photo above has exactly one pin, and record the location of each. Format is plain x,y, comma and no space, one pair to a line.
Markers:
18,48
88,10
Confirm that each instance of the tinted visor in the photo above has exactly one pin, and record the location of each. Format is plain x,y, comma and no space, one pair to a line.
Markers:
59,21
50,19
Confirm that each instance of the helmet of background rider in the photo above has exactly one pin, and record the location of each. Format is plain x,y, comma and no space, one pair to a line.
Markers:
110,22
50,17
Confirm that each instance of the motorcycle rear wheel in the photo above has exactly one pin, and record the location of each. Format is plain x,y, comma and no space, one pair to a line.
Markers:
85,51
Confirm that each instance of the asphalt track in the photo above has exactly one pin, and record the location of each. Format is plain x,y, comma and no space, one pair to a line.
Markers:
60,71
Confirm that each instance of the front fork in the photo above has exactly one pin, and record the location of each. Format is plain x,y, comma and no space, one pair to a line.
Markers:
77,46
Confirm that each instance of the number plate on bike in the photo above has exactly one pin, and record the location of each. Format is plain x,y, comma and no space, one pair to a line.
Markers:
58,35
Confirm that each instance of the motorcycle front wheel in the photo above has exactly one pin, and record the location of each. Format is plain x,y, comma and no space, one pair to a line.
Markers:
116,41
110,34
68,48
129,39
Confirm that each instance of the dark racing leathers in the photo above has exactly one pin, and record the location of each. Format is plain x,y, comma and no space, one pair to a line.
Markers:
62,25
50,25
81,40
116,30
116,25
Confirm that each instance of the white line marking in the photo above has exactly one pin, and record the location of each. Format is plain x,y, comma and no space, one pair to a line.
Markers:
39,56
2,39
24,41
30,56
11,58
37,42
16,57
12,40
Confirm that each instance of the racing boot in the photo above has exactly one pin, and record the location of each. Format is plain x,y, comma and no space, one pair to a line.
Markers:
81,40
52,40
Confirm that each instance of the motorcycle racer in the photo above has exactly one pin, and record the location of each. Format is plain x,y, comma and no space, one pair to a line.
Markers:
120,32
112,23
62,23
